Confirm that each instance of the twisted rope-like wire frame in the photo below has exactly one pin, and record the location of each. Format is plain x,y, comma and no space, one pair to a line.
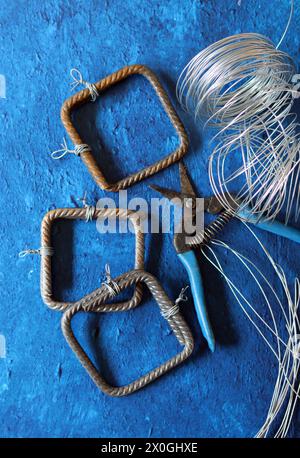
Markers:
87,157
81,213
97,303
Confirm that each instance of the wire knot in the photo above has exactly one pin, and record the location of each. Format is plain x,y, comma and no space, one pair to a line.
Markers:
109,283
90,209
78,150
78,80
90,212
174,310
42,251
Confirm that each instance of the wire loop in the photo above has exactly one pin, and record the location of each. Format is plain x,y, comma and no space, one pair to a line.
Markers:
78,150
78,80
245,87
109,283
42,251
175,309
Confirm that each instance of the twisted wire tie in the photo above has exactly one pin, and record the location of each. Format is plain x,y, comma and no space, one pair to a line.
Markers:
78,150
90,212
109,283
78,80
42,251
174,310
90,209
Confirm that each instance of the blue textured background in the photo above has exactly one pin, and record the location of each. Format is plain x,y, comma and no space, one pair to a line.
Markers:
43,389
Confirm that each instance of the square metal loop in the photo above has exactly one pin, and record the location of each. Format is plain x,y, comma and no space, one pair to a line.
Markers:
99,304
81,214
87,157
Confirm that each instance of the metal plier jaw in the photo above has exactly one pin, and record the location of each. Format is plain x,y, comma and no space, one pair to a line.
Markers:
187,199
182,240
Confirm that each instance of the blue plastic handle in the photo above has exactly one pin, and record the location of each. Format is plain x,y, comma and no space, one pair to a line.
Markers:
275,227
190,263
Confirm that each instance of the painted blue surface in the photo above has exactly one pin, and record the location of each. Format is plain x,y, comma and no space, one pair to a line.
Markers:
43,389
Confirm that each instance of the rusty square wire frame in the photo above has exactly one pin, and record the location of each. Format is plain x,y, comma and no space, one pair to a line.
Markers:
81,214
97,302
87,157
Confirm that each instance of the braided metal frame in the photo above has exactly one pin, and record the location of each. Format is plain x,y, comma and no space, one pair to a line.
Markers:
97,303
81,213
87,157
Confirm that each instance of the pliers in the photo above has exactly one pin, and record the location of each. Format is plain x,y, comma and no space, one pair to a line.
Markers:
184,243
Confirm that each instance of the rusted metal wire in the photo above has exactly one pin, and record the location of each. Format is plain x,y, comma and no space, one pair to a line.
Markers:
87,157
81,213
96,302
